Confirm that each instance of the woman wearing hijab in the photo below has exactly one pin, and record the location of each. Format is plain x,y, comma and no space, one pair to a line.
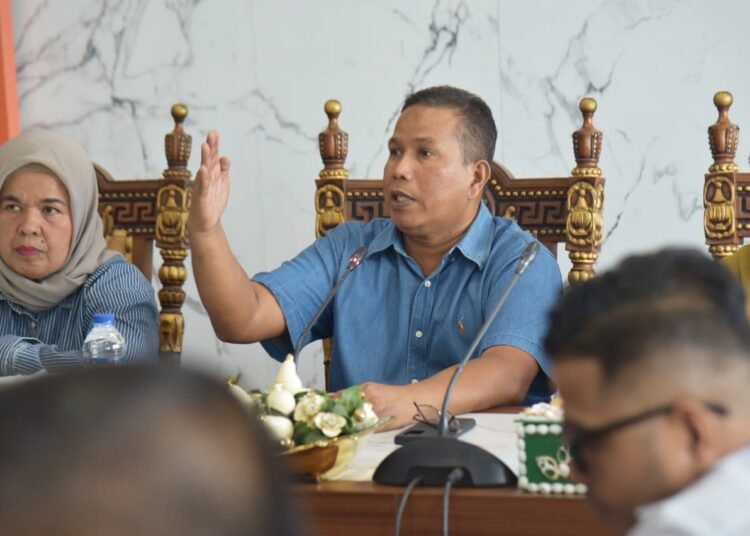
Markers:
55,270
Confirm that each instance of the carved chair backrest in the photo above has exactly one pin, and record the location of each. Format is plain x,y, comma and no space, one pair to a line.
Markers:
138,213
555,210
726,190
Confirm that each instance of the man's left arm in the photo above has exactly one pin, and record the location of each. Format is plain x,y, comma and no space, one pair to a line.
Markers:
500,376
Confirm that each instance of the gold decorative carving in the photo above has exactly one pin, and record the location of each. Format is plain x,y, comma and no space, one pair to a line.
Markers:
174,254
329,211
722,250
719,214
172,214
582,271
510,213
171,331
584,221
723,168
334,174
121,241
586,172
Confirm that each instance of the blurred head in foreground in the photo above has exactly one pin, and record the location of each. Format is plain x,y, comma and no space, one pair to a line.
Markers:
135,451
653,362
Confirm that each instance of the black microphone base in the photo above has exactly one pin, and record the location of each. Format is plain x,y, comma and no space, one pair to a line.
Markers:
434,458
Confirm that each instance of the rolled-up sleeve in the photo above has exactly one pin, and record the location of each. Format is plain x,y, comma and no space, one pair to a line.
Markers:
300,287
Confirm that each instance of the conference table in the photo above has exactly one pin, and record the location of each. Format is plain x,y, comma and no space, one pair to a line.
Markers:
354,505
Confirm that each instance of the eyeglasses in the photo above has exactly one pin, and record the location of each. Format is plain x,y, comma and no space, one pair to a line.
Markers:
430,416
578,437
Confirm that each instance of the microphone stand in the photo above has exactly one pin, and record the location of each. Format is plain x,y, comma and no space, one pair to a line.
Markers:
434,458
354,261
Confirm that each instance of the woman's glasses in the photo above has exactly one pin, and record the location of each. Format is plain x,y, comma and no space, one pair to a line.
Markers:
430,416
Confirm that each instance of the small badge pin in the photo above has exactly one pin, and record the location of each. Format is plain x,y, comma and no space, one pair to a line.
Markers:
460,326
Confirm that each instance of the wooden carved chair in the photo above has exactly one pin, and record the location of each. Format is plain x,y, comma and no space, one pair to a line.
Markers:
138,212
726,190
554,209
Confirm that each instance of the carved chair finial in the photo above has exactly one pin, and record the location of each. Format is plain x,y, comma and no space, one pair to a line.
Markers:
177,144
587,142
179,113
723,136
334,144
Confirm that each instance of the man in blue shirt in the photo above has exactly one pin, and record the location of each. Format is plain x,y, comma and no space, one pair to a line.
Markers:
432,274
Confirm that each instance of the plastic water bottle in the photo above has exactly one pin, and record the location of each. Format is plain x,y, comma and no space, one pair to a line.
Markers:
104,345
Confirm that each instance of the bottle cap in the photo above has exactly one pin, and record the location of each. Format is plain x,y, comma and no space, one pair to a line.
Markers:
104,318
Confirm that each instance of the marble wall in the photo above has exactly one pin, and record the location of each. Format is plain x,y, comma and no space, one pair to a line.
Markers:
106,72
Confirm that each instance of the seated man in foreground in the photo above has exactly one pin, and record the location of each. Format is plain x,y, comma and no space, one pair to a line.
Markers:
653,362
433,272
128,450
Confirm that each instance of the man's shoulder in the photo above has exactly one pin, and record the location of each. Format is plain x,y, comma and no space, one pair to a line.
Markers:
714,504
509,240
359,231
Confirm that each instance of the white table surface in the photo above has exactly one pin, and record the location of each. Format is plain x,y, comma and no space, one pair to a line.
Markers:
495,432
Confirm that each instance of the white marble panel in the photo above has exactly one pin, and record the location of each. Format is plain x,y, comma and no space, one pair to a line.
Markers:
107,72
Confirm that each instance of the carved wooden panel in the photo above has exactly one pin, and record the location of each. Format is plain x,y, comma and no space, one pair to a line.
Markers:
141,213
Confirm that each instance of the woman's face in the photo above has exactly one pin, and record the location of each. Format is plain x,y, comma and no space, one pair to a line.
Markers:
35,223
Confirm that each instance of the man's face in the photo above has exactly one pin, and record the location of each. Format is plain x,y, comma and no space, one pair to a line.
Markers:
430,191
635,464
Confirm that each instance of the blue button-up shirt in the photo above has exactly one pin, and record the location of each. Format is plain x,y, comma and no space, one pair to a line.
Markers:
393,324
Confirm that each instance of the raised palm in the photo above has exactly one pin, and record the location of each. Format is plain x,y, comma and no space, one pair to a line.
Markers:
211,188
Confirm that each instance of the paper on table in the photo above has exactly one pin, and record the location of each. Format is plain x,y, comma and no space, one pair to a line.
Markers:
494,432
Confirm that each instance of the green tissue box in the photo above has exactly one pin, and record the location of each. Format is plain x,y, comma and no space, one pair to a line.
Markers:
543,458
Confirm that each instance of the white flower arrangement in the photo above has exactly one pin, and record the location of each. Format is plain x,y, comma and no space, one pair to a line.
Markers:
296,416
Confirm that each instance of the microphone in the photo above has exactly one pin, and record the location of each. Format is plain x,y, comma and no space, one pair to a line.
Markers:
354,261
434,458
527,257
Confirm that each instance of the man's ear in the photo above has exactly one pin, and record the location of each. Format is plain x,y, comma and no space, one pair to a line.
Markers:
704,431
482,172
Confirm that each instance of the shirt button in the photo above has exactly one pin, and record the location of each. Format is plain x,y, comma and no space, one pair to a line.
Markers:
418,334
414,380
34,324
428,283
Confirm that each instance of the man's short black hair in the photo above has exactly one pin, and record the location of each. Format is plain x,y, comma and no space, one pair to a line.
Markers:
132,450
669,300
479,133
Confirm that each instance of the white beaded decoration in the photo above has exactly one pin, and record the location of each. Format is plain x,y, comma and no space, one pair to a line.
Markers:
555,429
564,470
542,429
545,488
530,428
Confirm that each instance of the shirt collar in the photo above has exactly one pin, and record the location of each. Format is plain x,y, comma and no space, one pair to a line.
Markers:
388,237
475,245
477,242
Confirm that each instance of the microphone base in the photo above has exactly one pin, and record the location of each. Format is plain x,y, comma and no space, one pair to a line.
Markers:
434,458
